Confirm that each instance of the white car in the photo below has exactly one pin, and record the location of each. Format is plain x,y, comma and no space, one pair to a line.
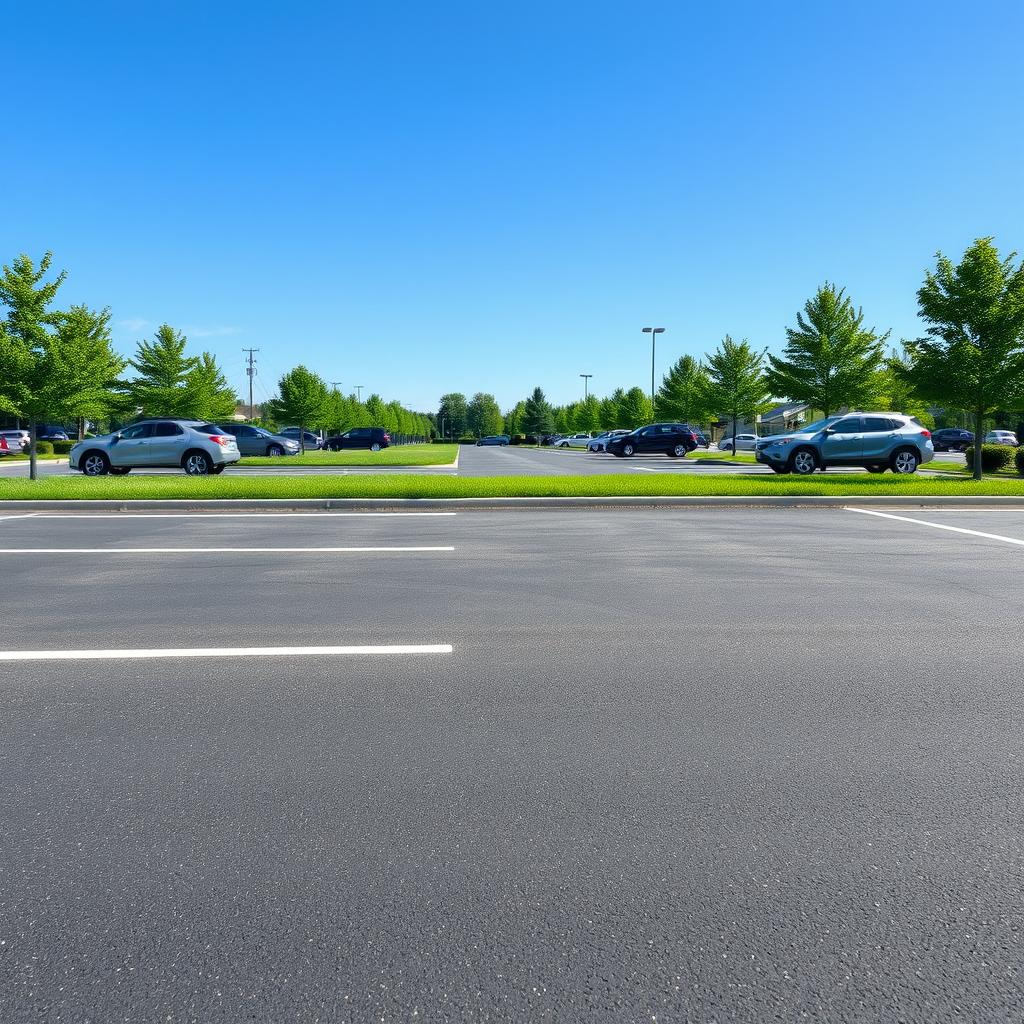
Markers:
573,441
1001,437
600,443
17,441
743,443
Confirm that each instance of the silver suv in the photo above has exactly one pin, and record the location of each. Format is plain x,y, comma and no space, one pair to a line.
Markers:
194,445
875,440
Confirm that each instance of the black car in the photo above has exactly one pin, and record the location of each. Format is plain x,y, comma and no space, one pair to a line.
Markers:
374,438
672,439
951,439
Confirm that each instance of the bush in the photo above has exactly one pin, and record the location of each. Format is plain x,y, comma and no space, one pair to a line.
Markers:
61,447
44,447
1018,458
994,457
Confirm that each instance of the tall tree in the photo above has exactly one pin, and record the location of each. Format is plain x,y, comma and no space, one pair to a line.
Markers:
635,409
160,387
207,394
588,414
611,414
538,418
973,357
483,415
736,381
682,392
514,419
302,400
453,411
830,360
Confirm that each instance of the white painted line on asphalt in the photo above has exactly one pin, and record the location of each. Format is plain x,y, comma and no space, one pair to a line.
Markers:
936,526
231,515
27,515
219,551
645,469
222,652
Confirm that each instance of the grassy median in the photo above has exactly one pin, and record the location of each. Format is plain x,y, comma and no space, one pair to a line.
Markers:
416,486
402,455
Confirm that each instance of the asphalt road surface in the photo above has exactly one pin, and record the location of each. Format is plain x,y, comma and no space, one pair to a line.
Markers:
498,461
677,766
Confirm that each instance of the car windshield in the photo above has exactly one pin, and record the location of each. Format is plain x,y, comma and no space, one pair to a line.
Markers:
813,428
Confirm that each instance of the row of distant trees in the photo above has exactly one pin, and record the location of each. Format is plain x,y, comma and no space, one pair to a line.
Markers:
60,366
970,359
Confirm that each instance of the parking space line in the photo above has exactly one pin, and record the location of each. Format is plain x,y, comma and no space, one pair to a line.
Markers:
223,652
218,551
936,526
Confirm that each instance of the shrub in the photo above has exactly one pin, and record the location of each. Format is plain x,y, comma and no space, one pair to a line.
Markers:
62,447
44,447
994,457
1018,458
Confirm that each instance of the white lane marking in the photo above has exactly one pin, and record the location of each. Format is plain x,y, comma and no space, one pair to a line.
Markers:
229,515
222,652
26,515
936,526
219,551
645,469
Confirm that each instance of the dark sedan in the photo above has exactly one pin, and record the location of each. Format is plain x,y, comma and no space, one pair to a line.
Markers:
952,439
673,439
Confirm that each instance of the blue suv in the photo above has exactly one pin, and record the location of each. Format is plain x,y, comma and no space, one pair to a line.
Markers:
876,441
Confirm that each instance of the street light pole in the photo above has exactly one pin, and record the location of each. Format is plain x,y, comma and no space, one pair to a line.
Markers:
653,332
586,380
359,391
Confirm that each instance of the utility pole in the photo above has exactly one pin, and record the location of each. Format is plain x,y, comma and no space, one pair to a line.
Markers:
653,332
359,391
586,380
335,384
250,369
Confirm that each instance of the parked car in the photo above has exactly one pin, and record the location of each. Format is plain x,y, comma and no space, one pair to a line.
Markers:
196,446
498,439
741,443
17,441
254,440
673,439
309,439
374,438
702,441
1001,437
48,433
4,450
600,443
876,441
573,441
952,439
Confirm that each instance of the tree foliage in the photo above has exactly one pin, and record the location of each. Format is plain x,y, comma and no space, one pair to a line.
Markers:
683,393
736,381
830,360
483,415
301,400
538,417
454,411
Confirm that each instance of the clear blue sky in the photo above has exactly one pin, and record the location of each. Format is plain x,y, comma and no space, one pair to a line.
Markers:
422,197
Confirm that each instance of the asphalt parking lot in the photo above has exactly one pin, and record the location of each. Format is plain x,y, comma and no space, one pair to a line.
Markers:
633,765
500,461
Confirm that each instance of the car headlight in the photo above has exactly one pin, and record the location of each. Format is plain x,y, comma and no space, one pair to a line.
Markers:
779,444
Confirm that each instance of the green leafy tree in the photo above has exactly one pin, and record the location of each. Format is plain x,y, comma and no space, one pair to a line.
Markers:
635,409
830,360
736,381
376,411
452,414
538,418
896,390
611,407
207,394
514,419
484,415
588,414
57,365
160,387
302,400
682,393
973,357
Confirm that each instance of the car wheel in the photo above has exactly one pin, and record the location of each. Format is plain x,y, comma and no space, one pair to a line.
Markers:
680,451
197,464
275,451
120,470
374,447
905,461
876,469
627,450
95,464
803,461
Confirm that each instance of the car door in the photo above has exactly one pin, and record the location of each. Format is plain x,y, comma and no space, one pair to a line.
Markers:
645,439
878,433
844,441
165,445
245,437
130,447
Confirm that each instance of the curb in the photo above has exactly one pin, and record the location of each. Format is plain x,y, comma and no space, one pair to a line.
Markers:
469,504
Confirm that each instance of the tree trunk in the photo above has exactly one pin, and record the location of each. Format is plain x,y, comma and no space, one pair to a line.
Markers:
32,450
735,417
302,439
979,438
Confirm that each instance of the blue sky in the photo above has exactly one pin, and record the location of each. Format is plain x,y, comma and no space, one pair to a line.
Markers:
488,196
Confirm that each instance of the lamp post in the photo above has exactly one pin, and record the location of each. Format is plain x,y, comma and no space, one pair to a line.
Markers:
586,380
653,332
335,384
359,391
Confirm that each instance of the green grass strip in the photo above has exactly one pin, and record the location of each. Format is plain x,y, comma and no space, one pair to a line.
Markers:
417,486
402,455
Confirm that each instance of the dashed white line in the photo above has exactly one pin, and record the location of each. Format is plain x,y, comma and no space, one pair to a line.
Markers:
223,652
25,515
219,551
936,526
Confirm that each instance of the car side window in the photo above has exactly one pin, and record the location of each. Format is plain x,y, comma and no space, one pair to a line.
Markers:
167,430
878,424
850,425
239,430
140,430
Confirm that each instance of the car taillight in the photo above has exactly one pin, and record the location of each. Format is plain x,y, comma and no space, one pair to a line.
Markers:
693,438
221,440
387,437
926,433
3,444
